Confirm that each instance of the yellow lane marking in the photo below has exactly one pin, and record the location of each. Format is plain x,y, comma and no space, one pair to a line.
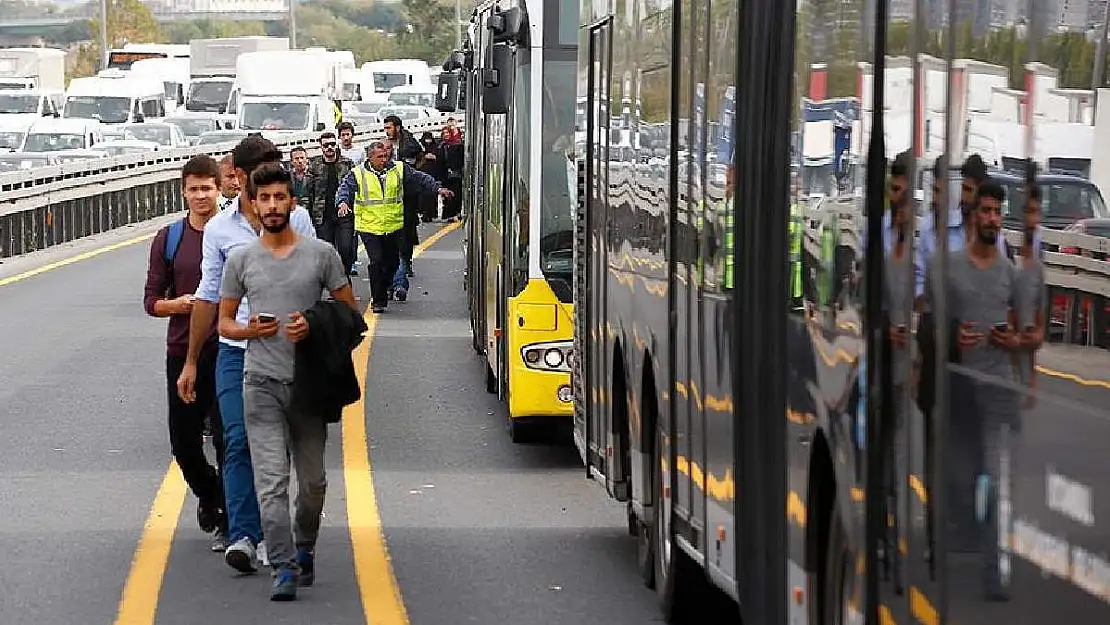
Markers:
382,603
139,602
75,258
1073,378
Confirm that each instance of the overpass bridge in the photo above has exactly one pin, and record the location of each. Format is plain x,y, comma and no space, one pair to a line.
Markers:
164,11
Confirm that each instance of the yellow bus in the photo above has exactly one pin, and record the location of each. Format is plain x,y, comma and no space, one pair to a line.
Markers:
518,64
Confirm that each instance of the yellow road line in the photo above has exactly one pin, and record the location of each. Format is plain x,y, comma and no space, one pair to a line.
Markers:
1071,377
139,602
75,258
382,603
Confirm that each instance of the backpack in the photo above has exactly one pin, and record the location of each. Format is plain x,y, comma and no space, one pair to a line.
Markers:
173,241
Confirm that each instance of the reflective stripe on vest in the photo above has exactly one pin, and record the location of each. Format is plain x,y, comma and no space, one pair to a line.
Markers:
377,212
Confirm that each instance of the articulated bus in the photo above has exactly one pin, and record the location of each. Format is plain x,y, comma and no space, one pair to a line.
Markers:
761,387
518,74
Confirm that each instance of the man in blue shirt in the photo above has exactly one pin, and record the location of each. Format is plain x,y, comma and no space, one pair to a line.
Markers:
232,228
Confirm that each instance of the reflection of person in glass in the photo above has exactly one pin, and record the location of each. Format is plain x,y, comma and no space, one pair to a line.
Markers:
981,295
1030,306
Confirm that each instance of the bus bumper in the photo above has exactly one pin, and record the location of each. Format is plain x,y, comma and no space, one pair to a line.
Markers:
535,393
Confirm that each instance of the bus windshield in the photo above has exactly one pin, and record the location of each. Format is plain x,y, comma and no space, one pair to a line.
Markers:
559,171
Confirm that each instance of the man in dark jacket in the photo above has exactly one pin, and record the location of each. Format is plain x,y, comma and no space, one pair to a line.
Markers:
325,379
334,224
408,150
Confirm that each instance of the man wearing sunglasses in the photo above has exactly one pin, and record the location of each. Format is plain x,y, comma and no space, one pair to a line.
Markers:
377,190
335,223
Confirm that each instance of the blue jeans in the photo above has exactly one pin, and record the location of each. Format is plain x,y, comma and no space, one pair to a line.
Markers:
242,503
401,277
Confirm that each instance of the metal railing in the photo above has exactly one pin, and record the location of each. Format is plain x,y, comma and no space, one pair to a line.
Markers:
1078,279
47,206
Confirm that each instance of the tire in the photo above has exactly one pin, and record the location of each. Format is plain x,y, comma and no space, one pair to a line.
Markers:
679,582
838,579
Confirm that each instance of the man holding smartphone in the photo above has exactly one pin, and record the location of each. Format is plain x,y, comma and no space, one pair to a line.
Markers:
173,274
982,292
236,226
281,275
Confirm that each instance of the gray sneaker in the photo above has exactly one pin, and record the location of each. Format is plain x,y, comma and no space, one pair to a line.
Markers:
219,542
242,556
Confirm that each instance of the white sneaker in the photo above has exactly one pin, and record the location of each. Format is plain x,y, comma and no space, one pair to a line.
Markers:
263,557
242,556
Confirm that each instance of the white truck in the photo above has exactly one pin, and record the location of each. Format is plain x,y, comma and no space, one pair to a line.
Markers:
174,74
41,69
351,76
380,77
212,69
287,91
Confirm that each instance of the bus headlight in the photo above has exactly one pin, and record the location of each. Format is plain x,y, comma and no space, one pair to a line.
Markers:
548,356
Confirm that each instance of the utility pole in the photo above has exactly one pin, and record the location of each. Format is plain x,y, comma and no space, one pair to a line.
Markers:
458,25
293,24
103,34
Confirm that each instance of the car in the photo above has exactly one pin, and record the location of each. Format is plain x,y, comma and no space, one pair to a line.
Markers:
17,161
162,133
193,126
121,147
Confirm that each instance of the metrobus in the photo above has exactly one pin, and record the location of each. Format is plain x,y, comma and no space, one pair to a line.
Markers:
736,381
518,67
122,58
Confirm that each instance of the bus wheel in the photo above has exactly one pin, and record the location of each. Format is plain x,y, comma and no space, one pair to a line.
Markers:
840,582
676,576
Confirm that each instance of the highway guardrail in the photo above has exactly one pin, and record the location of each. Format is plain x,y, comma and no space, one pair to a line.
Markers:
46,206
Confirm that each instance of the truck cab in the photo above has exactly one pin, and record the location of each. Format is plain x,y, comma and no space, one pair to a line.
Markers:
300,98
30,103
115,97
381,77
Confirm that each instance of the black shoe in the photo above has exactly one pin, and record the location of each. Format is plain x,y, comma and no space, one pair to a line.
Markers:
410,273
208,518
401,295
377,308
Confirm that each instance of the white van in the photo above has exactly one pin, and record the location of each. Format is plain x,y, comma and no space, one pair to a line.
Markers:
115,97
380,77
55,135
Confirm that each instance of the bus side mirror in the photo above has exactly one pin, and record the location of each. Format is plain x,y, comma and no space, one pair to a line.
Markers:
447,94
497,80
507,25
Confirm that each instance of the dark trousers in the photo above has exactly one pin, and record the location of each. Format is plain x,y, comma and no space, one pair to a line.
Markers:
186,424
341,234
452,205
383,253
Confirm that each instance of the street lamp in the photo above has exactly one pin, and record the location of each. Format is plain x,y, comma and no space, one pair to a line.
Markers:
103,34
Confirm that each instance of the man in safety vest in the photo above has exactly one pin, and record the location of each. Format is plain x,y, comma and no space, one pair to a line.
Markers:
377,190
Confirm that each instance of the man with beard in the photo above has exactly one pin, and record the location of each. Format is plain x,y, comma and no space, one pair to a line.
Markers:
377,189
229,184
981,295
281,275
334,223
236,226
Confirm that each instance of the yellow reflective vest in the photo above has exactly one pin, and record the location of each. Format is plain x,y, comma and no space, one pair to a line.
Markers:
378,210
796,233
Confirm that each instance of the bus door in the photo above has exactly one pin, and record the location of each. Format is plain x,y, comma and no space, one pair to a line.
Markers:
598,437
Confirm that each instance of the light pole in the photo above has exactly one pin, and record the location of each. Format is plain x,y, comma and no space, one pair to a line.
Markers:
458,24
293,24
103,34
1100,60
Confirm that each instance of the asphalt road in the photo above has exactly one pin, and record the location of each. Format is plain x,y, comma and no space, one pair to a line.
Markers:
478,529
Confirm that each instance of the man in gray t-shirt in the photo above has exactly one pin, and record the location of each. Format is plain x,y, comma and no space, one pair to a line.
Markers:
280,287
281,275
981,295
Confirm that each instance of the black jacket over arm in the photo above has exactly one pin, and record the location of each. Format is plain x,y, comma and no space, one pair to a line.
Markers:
325,381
